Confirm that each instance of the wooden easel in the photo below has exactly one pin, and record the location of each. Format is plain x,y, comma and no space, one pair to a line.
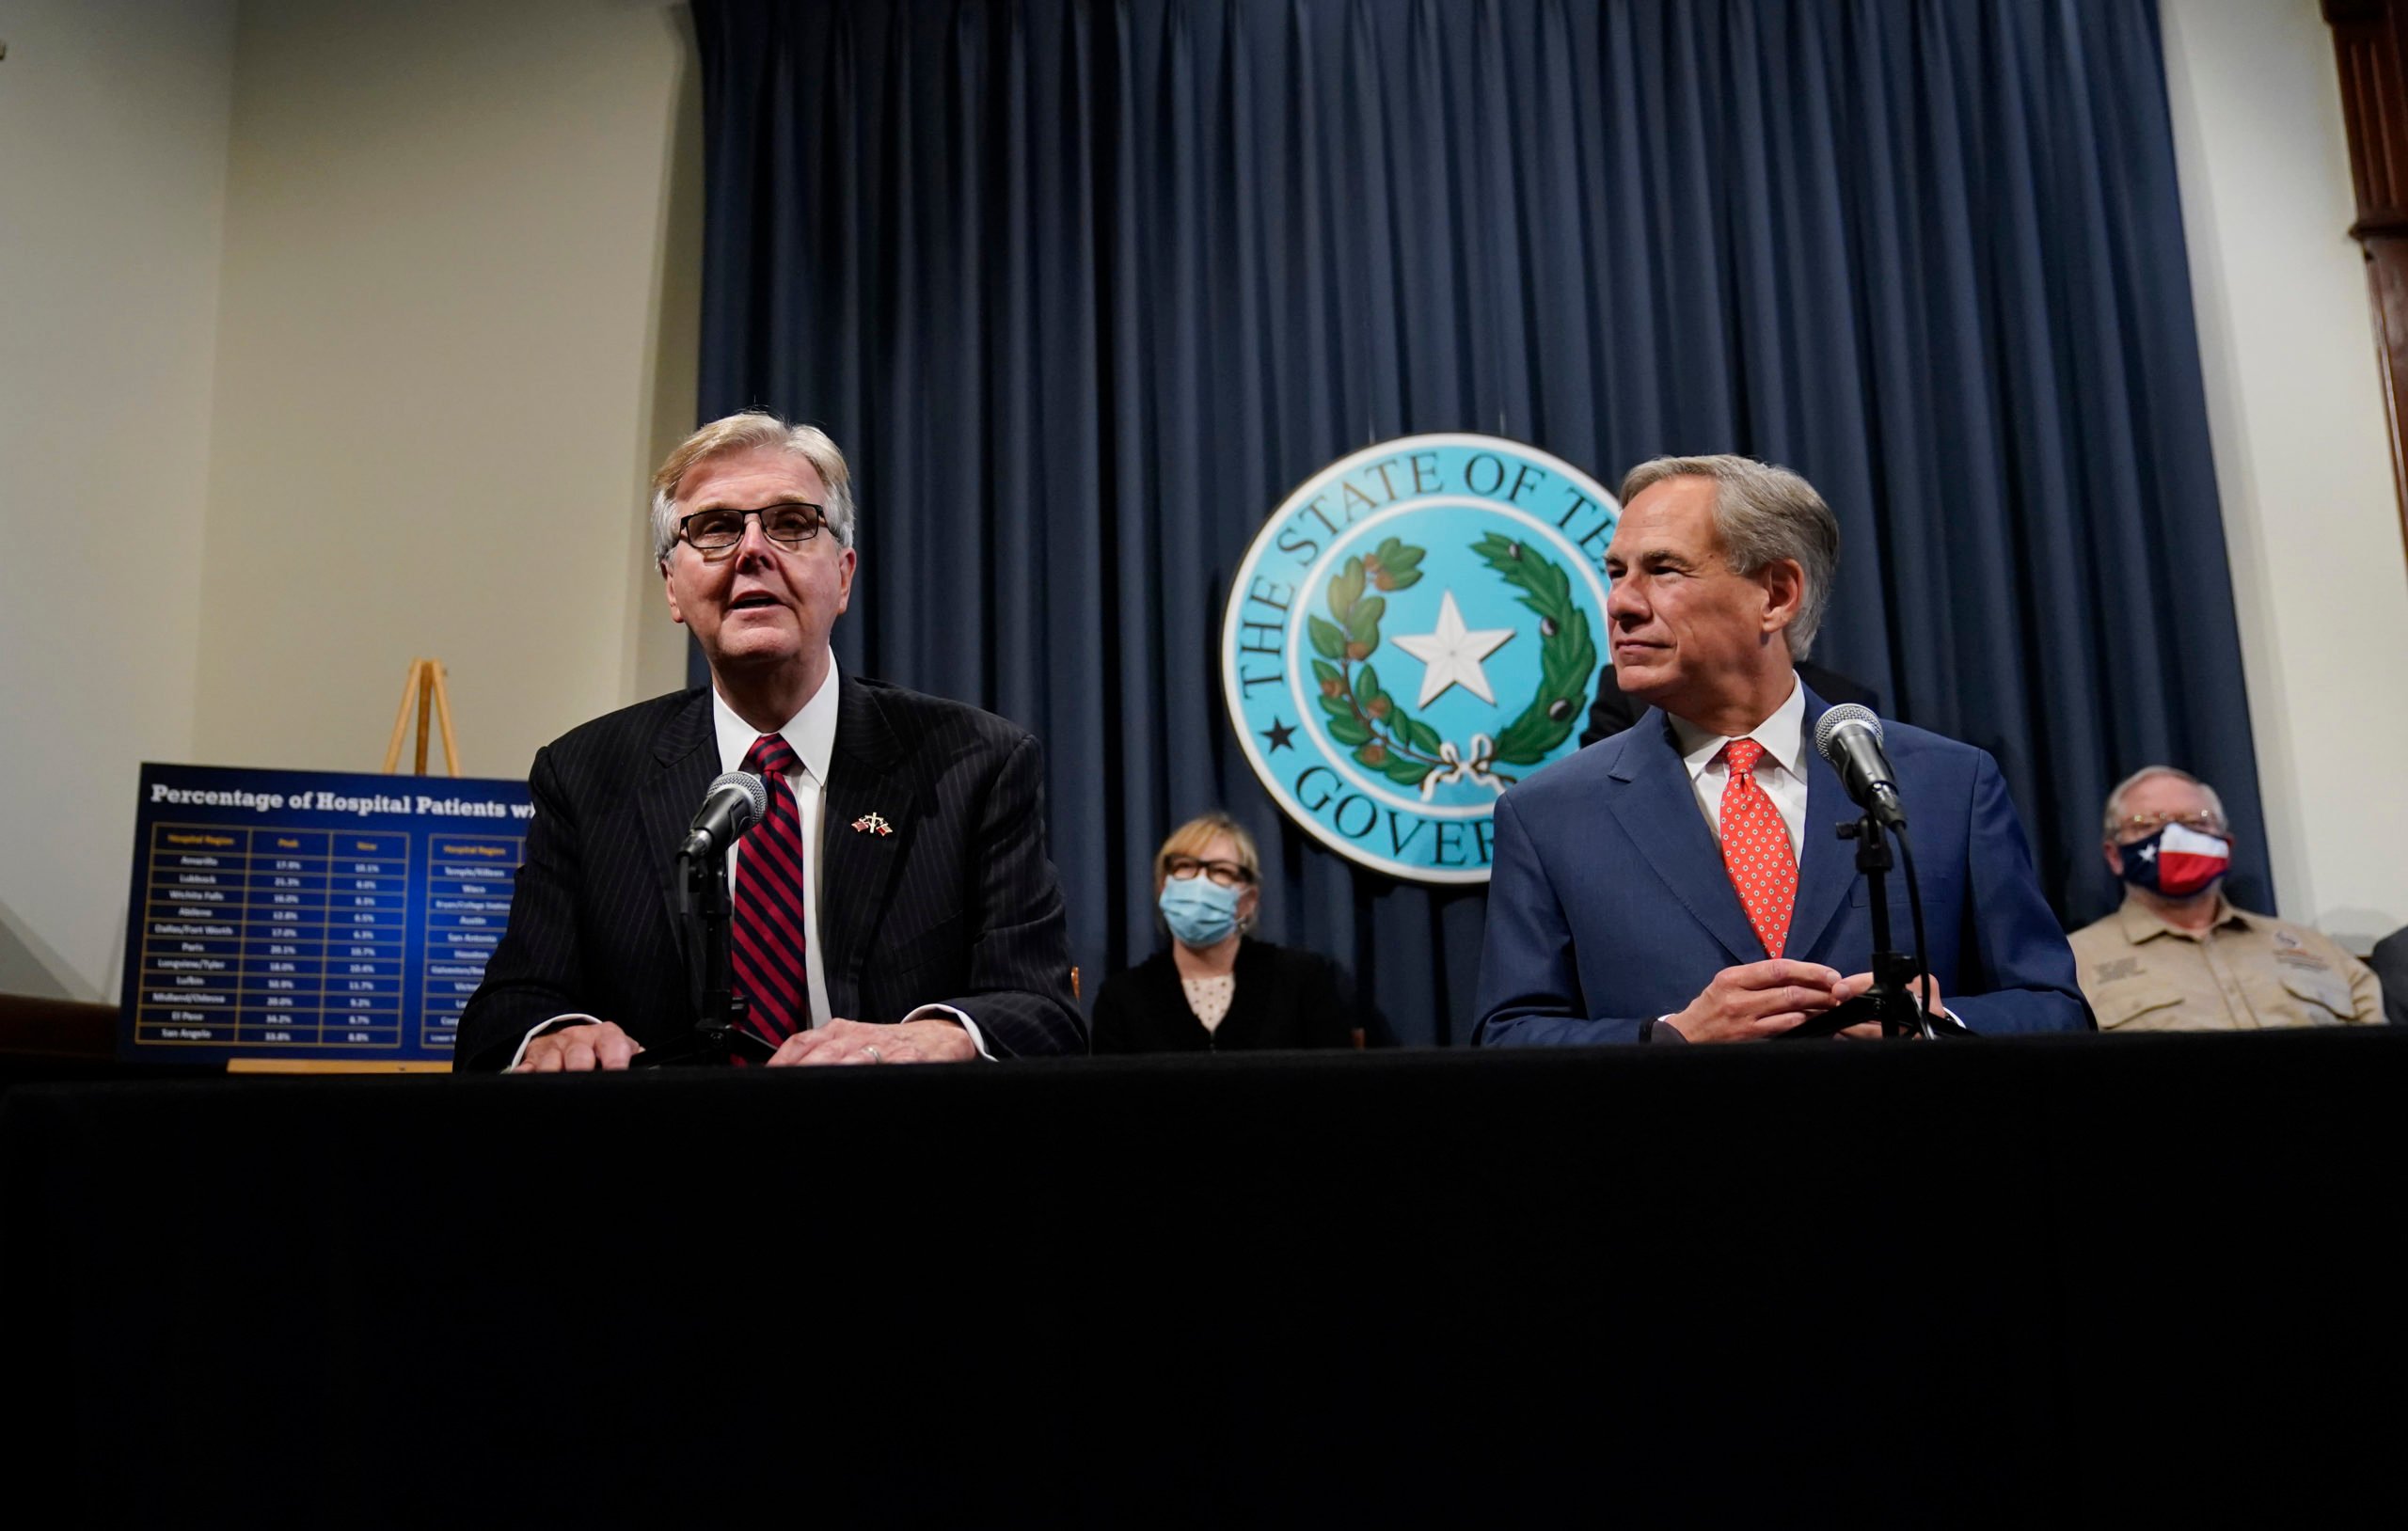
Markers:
424,687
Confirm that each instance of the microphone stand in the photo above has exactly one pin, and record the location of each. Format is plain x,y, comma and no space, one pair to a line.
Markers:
708,914
1891,999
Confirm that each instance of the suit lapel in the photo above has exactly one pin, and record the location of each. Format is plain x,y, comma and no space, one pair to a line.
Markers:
858,867
1827,868
686,758
1657,808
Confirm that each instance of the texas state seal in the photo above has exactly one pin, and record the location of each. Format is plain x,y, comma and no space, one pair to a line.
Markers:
1413,630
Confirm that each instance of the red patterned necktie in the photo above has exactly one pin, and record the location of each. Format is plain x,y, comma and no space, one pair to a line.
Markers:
1755,847
767,942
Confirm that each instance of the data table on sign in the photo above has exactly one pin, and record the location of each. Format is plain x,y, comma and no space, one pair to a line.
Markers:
330,919
283,937
368,889
467,905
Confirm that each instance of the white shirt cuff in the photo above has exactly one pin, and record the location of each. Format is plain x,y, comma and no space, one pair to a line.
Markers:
977,1039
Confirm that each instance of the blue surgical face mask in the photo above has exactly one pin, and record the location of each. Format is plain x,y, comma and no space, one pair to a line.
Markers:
1200,912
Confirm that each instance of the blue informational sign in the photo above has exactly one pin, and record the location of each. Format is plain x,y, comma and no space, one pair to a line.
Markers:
313,914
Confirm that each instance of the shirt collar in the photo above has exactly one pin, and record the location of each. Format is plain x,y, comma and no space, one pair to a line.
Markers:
811,733
1782,735
2139,922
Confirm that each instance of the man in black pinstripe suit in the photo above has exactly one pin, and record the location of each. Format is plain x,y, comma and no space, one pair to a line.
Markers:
933,925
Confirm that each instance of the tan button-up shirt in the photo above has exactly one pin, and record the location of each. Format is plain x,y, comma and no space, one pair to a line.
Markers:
2245,973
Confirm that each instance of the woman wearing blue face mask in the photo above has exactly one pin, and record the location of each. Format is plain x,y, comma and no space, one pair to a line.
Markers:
1215,989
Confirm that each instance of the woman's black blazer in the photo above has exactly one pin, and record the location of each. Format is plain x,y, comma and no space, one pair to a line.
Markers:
1285,998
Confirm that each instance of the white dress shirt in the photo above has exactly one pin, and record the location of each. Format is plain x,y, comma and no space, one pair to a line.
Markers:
811,733
1782,772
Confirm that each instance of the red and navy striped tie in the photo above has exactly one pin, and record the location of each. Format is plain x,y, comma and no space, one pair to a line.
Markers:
768,940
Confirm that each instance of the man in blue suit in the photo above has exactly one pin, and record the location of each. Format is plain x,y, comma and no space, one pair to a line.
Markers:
1684,881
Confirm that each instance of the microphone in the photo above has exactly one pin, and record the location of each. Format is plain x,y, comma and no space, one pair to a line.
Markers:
1849,736
733,805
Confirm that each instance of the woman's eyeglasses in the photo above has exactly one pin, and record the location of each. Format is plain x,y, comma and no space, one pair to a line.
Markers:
1224,874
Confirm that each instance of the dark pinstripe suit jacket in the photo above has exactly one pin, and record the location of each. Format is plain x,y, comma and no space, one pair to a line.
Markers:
959,906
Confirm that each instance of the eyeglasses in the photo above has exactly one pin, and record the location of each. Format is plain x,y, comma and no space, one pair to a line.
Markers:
714,532
1224,874
2204,820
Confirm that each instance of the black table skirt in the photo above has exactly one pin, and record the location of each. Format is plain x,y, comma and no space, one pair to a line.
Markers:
2058,1280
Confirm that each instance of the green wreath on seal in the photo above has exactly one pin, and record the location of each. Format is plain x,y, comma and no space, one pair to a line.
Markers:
1403,747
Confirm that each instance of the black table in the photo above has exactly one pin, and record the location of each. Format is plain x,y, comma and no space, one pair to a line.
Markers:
2055,1279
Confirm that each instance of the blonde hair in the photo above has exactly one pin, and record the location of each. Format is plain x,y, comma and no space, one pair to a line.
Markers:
742,433
1190,837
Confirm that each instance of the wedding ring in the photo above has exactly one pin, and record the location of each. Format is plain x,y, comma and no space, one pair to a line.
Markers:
874,1056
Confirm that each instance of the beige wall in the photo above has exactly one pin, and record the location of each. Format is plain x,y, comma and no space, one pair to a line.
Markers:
113,122
462,242
358,328
2302,460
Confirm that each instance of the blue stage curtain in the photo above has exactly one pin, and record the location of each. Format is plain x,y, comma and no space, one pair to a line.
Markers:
1084,286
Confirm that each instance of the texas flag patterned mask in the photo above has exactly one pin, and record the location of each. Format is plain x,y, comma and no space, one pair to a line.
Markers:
2177,860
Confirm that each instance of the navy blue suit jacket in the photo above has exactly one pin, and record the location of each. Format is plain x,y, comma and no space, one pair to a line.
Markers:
1608,904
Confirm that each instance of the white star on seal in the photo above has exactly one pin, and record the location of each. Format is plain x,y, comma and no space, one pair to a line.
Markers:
1452,654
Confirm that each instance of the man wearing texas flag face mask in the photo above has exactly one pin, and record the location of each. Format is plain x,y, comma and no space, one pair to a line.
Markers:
2179,956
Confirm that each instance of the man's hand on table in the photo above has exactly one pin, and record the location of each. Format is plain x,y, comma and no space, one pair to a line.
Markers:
1759,999
932,1041
578,1050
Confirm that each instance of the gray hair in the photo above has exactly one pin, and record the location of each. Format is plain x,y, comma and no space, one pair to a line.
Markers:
2114,814
1763,513
742,433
